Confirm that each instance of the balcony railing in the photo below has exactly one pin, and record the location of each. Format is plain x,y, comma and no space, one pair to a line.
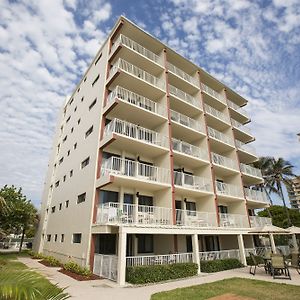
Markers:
256,195
159,259
245,147
192,182
124,40
137,72
189,149
182,74
250,170
222,254
236,108
256,221
216,113
233,220
224,161
212,93
132,214
228,189
219,136
186,121
184,96
195,218
136,132
125,167
136,100
240,126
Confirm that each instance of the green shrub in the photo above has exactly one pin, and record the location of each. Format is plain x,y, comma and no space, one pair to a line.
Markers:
258,259
52,261
210,266
75,268
36,255
156,273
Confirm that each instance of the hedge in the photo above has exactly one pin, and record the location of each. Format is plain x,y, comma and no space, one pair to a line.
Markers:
77,269
211,266
156,273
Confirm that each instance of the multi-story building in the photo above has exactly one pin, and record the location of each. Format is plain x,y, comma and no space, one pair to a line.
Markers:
294,193
151,163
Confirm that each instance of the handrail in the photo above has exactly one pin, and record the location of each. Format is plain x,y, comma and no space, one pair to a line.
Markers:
186,121
192,181
182,74
184,96
245,147
228,189
220,136
237,108
223,161
189,149
212,92
191,218
250,170
240,126
216,113
252,194
233,220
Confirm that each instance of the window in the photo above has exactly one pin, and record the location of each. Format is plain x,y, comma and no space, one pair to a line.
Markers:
223,209
75,146
61,160
81,198
72,129
68,153
78,122
145,200
95,80
76,238
67,203
48,237
92,104
89,131
71,101
78,90
60,206
55,238
108,196
189,243
53,209
145,243
75,108
191,208
65,138
57,183
71,173
98,58
58,148
84,80
65,177
85,162
62,238
47,210
82,99
128,198
68,119
105,244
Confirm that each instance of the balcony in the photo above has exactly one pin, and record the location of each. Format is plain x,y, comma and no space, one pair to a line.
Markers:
251,171
246,152
195,218
214,94
132,77
216,113
191,184
253,195
133,138
238,112
233,220
122,103
256,221
227,190
242,132
224,162
133,173
220,140
131,214
185,152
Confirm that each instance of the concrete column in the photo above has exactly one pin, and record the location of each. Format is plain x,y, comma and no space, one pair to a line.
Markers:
122,257
121,196
242,249
196,257
273,246
295,245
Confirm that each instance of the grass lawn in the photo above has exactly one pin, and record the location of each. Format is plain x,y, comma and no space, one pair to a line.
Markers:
256,289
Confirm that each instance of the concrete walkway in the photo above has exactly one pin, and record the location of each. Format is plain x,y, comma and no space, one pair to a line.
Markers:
106,289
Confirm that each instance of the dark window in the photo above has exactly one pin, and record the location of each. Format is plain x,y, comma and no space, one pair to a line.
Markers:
57,183
71,101
128,198
191,208
47,210
75,108
62,238
84,80
85,162
98,58
68,153
145,200
105,244
75,146
53,209
189,245
55,238
223,209
65,138
72,129
82,98
67,203
78,90
58,148
145,243
92,104
68,119
108,196
60,206
78,122
76,238
89,131
95,80
61,160
71,173
48,237
81,198
65,177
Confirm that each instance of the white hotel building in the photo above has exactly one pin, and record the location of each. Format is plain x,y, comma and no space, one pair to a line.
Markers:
151,163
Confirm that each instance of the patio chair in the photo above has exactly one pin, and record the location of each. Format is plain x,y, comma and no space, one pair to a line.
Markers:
295,262
279,269
255,265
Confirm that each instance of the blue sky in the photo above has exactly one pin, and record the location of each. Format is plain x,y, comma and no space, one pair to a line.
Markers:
45,46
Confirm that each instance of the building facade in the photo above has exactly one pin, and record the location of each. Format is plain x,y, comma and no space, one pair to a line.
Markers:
151,163
294,193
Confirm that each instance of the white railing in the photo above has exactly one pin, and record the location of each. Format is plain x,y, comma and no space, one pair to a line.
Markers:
237,108
212,93
220,136
222,254
192,182
256,195
233,220
182,74
245,147
216,113
184,96
191,218
228,189
240,126
259,251
223,161
125,167
124,40
186,121
135,132
136,100
250,170
189,149
159,259
137,72
256,221
133,214
106,266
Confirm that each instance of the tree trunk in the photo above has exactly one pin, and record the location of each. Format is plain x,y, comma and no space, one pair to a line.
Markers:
284,204
22,239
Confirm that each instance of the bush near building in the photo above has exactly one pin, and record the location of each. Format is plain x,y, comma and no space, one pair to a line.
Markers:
211,266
